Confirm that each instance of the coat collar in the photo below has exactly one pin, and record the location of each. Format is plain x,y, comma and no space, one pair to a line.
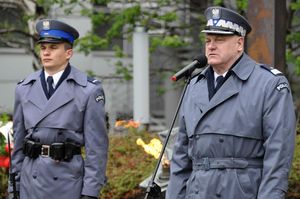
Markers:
79,77
242,69
75,74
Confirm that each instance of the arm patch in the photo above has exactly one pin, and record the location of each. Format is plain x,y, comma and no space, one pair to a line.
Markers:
281,86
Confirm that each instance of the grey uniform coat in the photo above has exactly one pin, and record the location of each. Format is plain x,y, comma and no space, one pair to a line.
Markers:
251,117
75,112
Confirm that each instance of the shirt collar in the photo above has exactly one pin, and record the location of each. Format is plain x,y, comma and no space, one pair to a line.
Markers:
232,68
217,75
56,77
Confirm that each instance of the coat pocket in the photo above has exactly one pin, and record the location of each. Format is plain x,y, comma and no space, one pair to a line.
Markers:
247,187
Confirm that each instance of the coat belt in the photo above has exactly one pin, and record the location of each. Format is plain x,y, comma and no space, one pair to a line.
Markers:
57,151
226,163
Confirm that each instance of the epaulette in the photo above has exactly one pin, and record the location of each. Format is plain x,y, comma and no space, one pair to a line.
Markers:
273,70
93,80
20,81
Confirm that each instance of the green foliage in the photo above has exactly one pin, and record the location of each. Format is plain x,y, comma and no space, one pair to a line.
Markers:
242,5
4,118
293,38
128,16
128,164
91,42
218,2
293,59
125,72
295,5
2,146
3,182
172,41
168,17
294,177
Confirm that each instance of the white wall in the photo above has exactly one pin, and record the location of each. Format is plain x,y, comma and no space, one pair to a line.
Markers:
15,65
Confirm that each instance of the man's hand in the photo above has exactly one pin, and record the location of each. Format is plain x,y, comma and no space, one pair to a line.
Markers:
87,197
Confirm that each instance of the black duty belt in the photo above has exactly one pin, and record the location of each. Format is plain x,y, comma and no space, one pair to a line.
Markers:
57,151
227,163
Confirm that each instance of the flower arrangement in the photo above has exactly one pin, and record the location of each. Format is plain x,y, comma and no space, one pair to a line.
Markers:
4,158
127,124
4,148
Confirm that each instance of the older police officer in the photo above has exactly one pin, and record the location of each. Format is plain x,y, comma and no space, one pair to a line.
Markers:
58,110
237,122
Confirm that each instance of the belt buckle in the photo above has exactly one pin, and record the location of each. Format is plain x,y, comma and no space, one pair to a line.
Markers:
45,150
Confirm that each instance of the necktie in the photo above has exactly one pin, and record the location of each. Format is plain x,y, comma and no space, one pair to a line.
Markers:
219,81
50,86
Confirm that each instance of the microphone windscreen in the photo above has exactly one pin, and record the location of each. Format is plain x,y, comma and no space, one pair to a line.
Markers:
202,60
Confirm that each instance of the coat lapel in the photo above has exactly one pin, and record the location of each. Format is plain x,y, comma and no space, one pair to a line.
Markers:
63,95
36,95
230,88
227,90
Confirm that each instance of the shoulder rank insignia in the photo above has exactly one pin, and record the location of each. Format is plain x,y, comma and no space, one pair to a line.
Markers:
21,81
273,70
93,80
281,86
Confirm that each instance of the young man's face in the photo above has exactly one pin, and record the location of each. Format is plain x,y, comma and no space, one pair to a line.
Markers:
222,50
54,56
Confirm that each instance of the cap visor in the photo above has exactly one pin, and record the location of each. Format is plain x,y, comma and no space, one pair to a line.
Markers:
50,40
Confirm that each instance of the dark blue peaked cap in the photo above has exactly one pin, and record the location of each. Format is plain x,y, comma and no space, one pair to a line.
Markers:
224,21
54,31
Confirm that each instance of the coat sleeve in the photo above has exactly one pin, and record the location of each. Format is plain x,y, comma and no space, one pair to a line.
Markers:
19,133
96,143
279,139
181,165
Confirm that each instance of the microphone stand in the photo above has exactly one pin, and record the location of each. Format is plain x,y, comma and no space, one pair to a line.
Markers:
153,189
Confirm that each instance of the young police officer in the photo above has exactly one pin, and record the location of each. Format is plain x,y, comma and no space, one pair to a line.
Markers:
236,136
58,110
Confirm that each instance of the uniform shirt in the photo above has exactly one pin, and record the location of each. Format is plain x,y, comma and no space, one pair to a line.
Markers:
56,77
216,75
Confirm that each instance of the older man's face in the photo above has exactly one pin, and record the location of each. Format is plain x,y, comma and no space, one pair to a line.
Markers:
223,50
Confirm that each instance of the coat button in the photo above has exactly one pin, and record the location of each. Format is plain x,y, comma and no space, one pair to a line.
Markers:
221,140
34,176
55,178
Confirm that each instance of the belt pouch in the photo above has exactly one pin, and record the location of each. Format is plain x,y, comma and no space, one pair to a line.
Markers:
69,147
32,149
57,151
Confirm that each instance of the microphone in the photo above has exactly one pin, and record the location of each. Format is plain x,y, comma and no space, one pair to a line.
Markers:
198,62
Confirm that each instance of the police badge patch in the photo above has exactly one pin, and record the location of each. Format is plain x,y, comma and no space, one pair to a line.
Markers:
99,98
281,86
